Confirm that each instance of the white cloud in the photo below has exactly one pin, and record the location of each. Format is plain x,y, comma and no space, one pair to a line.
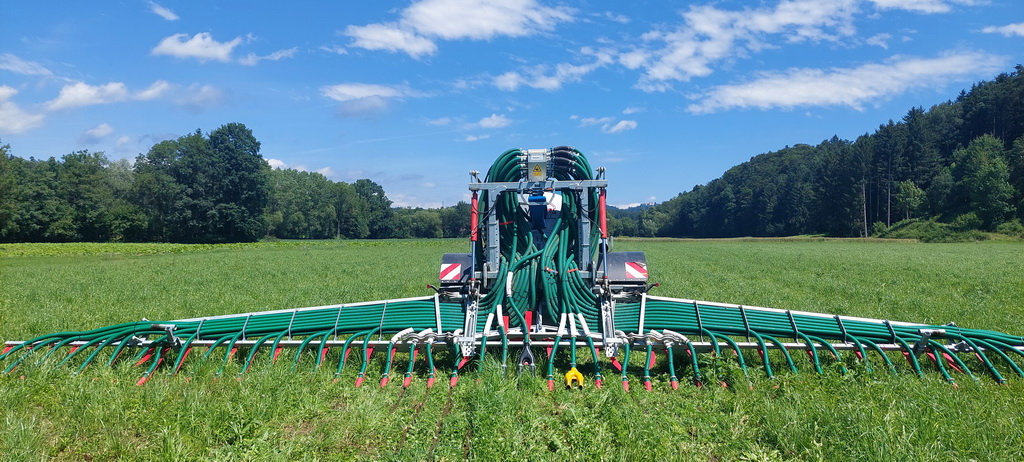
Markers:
251,59
277,163
608,124
1008,30
440,122
13,119
81,94
391,38
619,18
588,121
482,19
919,6
632,110
326,171
197,98
100,130
851,87
543,77
163,12
709,35
423,22
123,144
471,138
334,49
17,65
365,99
154,91
494,121
634,59
621,126
880,40
353,91
96,134
364,107
202,46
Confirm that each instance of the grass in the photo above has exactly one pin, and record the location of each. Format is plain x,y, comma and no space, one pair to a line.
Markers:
277,414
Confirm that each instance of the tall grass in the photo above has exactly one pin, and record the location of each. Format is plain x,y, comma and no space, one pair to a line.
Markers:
273,413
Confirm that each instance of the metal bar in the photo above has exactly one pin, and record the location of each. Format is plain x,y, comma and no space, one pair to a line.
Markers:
842,328
437,312
746,325
584,235
493,238
700,324
792,322
336,322
523,186
380,328
247,318
643,311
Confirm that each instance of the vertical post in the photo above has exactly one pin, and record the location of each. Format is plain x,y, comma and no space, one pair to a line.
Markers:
584,231
474,233
602,202
493,234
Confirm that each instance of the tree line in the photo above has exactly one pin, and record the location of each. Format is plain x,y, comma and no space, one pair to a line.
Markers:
199,188
958,165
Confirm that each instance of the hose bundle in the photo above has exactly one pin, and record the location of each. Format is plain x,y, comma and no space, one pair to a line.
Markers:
543,276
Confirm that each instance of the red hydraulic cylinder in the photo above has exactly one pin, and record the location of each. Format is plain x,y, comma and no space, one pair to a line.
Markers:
474,218
601,201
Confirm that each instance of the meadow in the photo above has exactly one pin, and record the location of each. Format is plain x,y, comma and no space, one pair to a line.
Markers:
274,413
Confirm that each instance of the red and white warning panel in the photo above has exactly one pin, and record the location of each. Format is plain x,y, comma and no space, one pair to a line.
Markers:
626,267
455,269
450,272
636,270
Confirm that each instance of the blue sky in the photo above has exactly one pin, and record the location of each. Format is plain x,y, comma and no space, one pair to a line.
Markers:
413,95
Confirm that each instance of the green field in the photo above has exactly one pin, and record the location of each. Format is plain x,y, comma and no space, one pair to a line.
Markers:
274,413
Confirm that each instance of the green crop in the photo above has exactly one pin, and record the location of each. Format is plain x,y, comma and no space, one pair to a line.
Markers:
275,413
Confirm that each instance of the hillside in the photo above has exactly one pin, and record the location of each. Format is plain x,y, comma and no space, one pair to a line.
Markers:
957,166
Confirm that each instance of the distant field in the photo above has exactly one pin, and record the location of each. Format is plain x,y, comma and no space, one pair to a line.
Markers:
278,414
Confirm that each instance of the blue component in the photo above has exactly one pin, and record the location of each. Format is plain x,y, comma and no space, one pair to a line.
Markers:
534,199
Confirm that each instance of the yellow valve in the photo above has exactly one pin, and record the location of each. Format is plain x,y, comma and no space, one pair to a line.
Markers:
573,375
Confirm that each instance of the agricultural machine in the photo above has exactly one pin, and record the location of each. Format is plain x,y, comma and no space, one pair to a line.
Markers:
539,282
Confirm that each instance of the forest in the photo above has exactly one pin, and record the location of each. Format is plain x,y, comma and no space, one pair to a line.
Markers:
951,172
942,173
199,188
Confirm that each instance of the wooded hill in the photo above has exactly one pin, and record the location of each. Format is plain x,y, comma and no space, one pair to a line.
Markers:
957,167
